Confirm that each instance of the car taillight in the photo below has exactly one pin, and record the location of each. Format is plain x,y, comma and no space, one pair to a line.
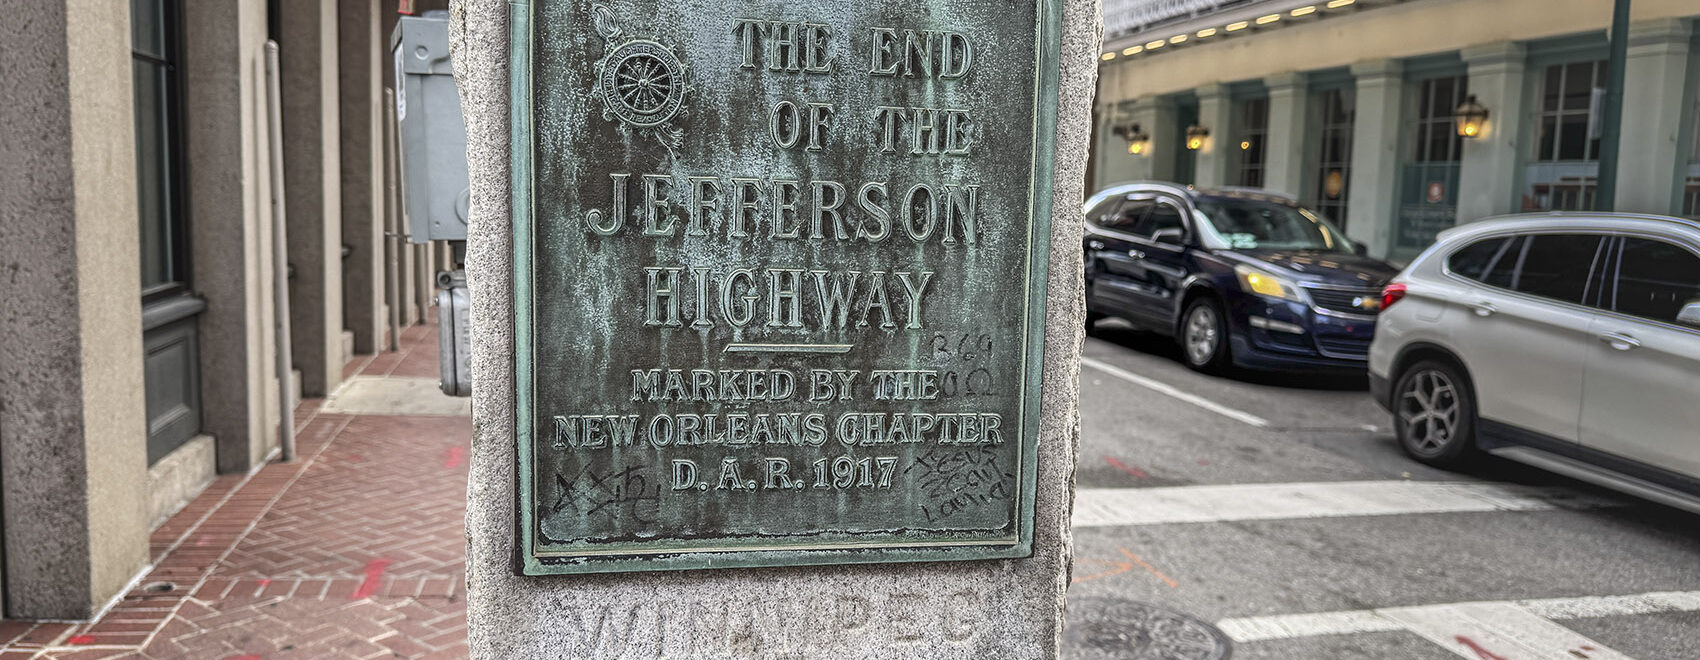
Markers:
1392,294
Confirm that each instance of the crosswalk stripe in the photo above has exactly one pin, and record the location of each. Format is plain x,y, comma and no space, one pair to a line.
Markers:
1499,614
1504,631
1175,393
1109,507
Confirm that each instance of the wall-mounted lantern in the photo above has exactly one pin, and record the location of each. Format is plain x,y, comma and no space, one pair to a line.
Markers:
1470,116
1245,144
1195,135
1137,140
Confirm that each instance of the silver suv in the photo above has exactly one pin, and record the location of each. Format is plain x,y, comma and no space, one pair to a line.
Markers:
1565,341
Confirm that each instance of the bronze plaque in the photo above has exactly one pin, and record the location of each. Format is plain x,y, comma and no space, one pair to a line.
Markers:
779,275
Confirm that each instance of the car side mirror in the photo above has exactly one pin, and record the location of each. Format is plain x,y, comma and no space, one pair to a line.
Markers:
1359,248
1170,236
1690,314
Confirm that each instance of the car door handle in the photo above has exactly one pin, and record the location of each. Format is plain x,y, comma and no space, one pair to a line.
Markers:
1484,308
1136,254
1096,245
1620,341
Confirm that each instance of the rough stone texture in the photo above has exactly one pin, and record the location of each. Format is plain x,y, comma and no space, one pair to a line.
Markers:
73,456
307,51
987,609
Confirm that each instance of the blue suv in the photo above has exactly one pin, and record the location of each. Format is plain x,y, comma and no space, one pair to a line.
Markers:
1238,276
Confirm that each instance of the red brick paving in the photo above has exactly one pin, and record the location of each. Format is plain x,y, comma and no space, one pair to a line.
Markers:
356,550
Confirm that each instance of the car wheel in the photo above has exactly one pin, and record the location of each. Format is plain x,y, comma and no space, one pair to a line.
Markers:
1204,336
1092,318
1434,414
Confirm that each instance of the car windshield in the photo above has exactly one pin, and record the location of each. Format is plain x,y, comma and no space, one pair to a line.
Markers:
1247,224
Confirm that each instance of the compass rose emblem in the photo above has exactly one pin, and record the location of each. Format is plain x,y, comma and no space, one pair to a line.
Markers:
642,83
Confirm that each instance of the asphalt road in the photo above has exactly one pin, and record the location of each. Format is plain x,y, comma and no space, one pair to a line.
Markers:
1280,509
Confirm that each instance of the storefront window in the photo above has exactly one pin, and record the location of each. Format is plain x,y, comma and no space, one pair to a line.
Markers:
153,63
1336,110
1563,172
1428,189
1253,119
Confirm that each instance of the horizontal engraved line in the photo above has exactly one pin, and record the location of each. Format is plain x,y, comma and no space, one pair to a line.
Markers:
835,349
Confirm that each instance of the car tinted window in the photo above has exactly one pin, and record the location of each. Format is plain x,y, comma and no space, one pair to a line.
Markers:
1501,271
1476,258
1162,216
1655,279
1103,208
1556,266
1126,216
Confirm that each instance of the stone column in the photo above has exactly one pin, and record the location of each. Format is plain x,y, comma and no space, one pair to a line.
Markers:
312,164
1376,130
229,184
361,96
1005,608
73,463
1287,141
1651,163
1215,159
1487,180
1156,117
1115,164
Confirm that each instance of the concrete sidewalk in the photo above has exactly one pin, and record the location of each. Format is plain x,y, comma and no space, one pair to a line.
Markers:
355,550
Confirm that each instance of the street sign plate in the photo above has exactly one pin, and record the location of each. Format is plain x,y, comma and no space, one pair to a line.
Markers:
779,280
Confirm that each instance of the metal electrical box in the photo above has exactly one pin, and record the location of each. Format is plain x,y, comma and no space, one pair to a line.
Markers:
454,311
435,192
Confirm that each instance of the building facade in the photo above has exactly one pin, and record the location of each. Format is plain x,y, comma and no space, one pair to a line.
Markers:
1353,106
136,238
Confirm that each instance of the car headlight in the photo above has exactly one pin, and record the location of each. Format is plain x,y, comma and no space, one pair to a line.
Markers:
1262,283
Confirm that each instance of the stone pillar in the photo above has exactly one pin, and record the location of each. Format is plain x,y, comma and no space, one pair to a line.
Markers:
1651,163
312,164
361,96
1488,173
1156,117
1214,162
424,280
73,463
994,608
1374,185
229,183
1287,140
1115,164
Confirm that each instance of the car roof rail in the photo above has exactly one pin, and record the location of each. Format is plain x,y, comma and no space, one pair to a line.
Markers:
1249,190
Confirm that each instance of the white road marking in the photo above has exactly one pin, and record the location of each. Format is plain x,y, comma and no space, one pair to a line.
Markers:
1109,507
1173,392
1514,630
1504,631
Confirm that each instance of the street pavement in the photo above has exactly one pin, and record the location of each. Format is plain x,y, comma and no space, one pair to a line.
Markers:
1279,508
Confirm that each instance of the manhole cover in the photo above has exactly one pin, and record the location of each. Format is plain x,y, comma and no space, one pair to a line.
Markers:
1117,629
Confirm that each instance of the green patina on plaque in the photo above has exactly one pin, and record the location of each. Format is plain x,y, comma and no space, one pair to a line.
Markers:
779,280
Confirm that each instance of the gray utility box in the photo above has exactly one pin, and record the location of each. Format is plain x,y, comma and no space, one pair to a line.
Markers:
435,193
454,312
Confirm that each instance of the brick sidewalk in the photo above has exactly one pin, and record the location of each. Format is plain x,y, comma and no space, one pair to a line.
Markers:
355,550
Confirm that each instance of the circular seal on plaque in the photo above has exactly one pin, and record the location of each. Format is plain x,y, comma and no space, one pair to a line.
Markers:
643,83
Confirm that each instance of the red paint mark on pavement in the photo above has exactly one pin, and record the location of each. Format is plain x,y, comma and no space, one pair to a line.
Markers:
456,455
374,573
1136,472
80,640
1482,653
264,582
1151,569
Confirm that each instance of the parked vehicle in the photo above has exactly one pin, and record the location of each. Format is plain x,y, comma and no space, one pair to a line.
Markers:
1239,276
1568,342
